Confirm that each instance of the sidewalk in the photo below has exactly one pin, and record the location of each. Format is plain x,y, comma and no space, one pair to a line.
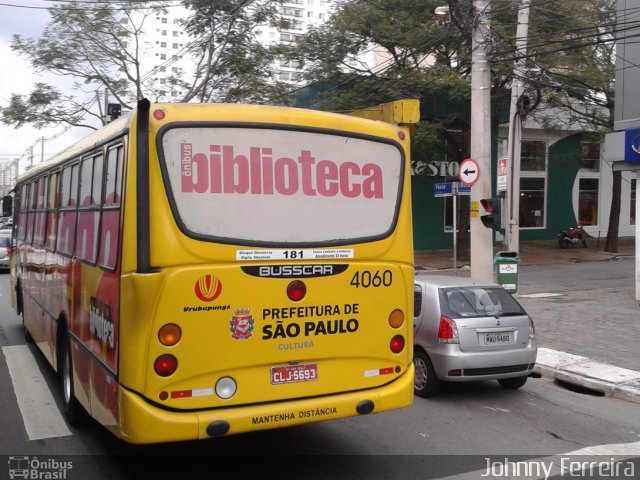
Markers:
562,315
534,252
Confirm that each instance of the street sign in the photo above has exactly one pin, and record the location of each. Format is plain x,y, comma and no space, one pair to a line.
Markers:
501,185
469,171
448,189
443,189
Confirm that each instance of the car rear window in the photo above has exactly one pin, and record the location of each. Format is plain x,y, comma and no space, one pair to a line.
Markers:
5,241
478,302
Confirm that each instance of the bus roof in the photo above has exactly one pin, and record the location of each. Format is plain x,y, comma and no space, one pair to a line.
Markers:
99,137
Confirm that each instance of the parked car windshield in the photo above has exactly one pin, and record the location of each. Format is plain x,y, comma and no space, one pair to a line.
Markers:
478,302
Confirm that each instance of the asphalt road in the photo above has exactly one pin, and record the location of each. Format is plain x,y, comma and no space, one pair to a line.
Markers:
455,434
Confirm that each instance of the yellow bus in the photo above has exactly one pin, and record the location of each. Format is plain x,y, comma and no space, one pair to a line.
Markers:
200,270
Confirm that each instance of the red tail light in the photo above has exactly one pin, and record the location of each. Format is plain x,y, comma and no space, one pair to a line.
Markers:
397,344
447,331
296,290
8,250
165,365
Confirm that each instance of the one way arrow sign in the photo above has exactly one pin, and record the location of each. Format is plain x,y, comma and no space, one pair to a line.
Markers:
469,171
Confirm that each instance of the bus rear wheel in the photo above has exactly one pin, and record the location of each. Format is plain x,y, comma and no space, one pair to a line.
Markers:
71,408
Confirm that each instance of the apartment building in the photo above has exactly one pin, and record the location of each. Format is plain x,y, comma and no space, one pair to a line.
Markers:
165,44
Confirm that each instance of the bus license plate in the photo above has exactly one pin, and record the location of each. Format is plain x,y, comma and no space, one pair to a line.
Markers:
497,338
294,373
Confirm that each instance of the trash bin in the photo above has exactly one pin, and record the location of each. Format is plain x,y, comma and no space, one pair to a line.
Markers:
506,270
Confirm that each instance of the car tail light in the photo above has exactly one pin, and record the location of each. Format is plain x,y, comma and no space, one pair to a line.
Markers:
296,290
397,344
8,250
532,329
447,331
165,365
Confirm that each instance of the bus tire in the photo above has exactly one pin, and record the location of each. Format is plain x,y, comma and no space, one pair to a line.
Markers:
20,311
71,407
426,384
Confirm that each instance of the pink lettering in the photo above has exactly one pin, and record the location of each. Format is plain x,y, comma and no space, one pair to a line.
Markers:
347,169
327,178
258,173
235,171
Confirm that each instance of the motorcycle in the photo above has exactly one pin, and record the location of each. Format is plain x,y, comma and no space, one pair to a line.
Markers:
572,236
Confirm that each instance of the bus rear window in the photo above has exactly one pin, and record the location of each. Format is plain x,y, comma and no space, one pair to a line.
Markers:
259,185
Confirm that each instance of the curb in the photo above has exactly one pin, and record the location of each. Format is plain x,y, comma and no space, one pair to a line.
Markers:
609,380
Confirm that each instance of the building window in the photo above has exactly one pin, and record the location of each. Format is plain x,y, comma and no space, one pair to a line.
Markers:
533,156
163,44
588,201
163,20
163,56
163,33
175,34
590,159
532,192
632,204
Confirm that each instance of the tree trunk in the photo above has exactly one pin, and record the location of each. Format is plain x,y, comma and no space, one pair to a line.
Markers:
611,245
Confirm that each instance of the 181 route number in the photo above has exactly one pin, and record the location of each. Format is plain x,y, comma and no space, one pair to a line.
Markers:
368,279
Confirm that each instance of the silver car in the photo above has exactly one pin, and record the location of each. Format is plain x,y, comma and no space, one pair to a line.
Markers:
5,250
465,331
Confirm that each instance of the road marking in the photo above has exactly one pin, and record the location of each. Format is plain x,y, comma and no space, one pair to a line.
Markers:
41,416
541,295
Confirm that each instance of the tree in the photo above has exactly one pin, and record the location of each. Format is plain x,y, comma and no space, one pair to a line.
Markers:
232,65
100,46
569,60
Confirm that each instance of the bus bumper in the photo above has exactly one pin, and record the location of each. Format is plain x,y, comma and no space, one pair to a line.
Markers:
142,422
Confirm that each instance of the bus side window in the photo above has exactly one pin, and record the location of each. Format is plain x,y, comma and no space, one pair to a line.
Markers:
41,214
52,211
88,214
67,224
110,231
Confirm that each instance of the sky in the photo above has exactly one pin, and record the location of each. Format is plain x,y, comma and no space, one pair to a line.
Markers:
17,76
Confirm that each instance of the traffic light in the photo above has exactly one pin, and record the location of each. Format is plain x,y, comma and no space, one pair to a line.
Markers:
493,219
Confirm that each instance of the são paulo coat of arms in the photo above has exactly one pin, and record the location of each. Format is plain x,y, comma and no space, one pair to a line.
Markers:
241,324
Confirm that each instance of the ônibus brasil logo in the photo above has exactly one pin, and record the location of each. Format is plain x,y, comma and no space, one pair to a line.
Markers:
208,288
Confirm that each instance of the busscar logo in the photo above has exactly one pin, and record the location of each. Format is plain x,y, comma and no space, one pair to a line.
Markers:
241,324
208,288
294,271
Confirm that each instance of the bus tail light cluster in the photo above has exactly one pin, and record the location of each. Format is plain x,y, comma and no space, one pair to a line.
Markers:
396,320
166,364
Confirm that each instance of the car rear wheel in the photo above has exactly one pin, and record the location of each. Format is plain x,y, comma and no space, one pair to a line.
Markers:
426,384
512,383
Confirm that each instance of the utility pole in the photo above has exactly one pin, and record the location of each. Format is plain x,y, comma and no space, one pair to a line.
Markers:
512,230
481,254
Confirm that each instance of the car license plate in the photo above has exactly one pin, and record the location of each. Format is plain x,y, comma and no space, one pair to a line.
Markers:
294,373
500,338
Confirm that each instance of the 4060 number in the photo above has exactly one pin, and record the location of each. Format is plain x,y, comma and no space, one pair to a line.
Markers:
375,279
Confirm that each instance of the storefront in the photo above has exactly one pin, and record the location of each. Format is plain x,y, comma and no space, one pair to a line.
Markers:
565,181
